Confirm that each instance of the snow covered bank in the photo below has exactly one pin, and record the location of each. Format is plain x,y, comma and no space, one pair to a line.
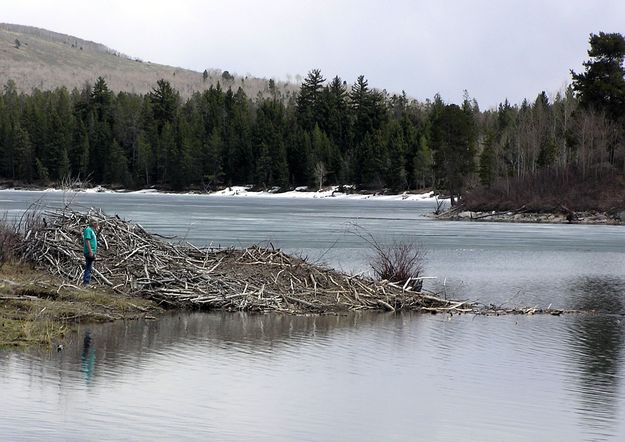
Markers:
333,192
244,191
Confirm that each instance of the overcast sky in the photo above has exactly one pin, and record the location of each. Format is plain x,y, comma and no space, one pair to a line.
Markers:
495,49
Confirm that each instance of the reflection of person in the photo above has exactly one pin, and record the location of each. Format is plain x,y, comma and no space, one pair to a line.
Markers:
87,357
90,247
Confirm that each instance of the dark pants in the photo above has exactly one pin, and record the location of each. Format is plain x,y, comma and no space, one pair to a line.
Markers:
86,279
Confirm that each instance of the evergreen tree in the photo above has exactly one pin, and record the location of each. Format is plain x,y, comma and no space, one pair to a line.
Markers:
602,85
116,168
165,101
422,164
100,128
61,124
144,160
165,151
239,162
213,175
372,160
299,155
336,116
368,108
396,175
272,165
453,139
180,161
23,155
309,104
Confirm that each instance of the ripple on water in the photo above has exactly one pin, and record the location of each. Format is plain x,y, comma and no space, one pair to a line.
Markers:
366,377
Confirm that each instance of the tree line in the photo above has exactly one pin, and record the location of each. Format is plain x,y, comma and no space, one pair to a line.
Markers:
329,133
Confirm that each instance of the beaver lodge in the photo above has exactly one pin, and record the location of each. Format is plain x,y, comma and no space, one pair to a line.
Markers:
134,262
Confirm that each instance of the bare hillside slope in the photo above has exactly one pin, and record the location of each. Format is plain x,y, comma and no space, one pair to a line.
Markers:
37,58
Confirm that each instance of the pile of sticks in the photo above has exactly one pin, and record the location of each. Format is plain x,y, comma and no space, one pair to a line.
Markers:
133,261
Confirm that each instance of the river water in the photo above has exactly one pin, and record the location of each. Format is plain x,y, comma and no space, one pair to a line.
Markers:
353,377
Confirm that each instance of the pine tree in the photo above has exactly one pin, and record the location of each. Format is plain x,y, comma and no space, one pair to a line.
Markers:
337,114
239,162
453,139
309,105
396,176
144,160
602,85
165,101
23,155
213,157
116,168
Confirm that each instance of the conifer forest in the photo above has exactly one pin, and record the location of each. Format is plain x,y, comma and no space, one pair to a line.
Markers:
567,147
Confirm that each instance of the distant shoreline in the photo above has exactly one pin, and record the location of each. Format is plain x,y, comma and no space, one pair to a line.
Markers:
245,191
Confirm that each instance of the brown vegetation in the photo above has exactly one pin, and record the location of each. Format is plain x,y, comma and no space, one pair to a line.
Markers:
550,192
400,262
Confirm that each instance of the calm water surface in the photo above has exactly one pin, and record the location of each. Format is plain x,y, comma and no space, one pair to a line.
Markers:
354,377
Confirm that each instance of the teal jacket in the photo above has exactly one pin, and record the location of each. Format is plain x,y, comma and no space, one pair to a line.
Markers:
89,235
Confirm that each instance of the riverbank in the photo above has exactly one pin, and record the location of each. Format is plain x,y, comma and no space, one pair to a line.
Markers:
522,216
38,309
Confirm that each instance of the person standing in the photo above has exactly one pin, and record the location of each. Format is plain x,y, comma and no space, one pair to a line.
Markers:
90,247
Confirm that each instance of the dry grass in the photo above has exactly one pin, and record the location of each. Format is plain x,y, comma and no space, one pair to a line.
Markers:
48,60
10,239
37,309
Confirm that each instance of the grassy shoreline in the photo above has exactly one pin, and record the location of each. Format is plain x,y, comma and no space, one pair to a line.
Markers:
37,309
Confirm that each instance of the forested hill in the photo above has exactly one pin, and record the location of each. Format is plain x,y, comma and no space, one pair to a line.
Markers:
38,58
565,149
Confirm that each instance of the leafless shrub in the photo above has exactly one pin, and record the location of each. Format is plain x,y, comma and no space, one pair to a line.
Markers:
75,183
70,187
400,262
32,218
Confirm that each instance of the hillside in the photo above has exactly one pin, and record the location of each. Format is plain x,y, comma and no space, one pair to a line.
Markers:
37,58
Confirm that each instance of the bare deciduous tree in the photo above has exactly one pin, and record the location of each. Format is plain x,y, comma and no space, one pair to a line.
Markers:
320,173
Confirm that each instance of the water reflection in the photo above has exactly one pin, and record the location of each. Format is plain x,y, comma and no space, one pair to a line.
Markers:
353,377
87,357
596,346
601,293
